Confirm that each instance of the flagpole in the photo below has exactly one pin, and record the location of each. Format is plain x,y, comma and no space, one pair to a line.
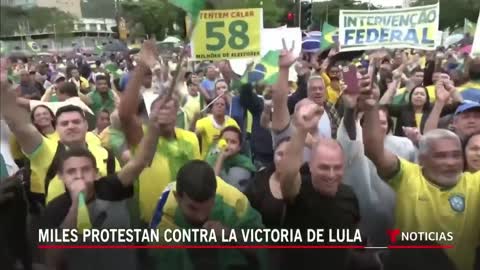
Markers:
326,19
300,13
180,61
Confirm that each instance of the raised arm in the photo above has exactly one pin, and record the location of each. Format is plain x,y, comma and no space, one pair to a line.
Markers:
127,110
387,163
349,116
280,91
387,97
17,118
250,100
266,116
306,116
84,98
146,150
442,96
48,94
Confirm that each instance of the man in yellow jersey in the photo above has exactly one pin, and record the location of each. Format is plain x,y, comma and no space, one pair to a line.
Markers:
175,146
209,127
72,129
434,196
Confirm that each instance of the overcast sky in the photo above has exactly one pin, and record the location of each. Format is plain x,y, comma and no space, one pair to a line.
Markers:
385,3
388,3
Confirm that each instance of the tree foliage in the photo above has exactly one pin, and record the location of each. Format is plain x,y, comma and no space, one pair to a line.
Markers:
36,19
329,11
453,13
273,10
157,17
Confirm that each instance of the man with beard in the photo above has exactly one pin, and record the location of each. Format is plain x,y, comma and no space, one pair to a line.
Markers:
434,195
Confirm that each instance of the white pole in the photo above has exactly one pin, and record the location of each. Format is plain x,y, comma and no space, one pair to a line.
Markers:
300,13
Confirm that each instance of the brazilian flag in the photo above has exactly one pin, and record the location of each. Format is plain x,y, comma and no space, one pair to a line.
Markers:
98,50
83,218
3,48
33,46
113,70
12,76
328,36
192,7
469,27
266,70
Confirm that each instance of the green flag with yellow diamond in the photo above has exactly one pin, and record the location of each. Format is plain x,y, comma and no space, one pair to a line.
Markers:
469,27
266,70
33,47
328,33
192,7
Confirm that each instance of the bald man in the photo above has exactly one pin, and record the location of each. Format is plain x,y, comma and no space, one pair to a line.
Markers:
317,200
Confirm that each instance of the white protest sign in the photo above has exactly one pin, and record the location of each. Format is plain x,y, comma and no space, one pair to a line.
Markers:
271,40
476,40
389,28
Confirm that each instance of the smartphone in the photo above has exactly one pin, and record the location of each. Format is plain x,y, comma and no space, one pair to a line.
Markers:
350,79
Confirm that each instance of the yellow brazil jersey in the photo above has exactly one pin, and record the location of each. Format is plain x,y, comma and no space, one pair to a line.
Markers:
170,156
42,157
191,107
423,207
37,182
418,119
232,209
210,131
469,85
332,95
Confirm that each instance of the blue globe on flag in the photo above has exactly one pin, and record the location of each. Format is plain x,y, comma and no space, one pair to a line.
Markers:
257,74
311,42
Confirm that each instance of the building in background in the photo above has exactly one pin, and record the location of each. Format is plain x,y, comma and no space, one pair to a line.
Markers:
408,3
19,3
70,6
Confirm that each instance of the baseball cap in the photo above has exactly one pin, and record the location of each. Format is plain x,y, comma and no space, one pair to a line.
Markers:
59,76
467,105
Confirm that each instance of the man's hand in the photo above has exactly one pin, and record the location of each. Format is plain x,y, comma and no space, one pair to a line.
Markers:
217,227
332,53
148,54
350,100
7,190
302,67
75,187
287,57
307,114
397,75
441,93
228,152
366,100
163,115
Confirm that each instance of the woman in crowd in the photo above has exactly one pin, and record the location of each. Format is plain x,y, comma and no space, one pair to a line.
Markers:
44,120
223,89
415,113
264,192
471,150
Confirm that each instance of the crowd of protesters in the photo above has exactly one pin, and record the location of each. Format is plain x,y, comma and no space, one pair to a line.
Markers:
399,150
